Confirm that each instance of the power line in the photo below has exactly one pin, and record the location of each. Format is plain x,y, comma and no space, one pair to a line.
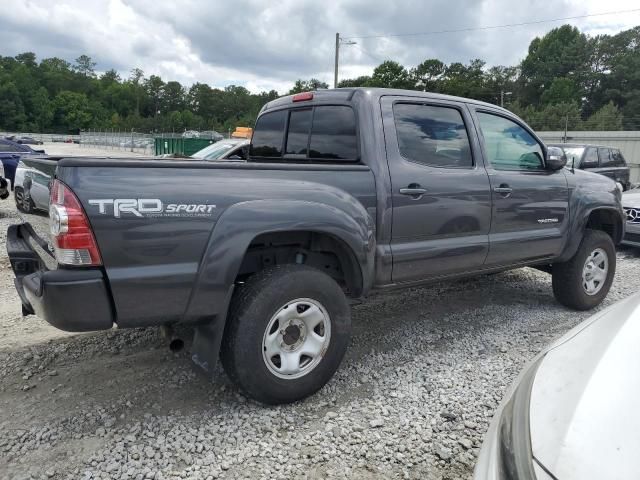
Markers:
490,27
373,57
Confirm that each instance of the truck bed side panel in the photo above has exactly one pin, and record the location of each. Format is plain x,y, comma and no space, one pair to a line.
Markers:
152,259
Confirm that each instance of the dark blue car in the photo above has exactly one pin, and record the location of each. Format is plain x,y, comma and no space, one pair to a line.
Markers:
10,154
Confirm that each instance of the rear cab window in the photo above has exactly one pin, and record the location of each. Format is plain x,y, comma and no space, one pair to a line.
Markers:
313,134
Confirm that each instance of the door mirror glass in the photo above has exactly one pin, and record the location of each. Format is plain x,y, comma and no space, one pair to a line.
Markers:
556,159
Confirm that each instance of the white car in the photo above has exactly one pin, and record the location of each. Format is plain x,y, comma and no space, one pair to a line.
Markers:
227,149
572,414
31,189
631,205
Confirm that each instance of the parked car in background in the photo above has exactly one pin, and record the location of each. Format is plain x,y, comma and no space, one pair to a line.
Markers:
227,149
25,140
631,205
572,414
31,188
10,154
607,161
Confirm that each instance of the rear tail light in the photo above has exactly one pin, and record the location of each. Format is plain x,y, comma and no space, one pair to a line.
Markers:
71,234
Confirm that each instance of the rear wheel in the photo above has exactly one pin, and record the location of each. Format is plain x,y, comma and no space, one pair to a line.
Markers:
27,204
286,334
584,281
18,196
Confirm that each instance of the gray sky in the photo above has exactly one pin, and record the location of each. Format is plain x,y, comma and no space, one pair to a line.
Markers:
267,45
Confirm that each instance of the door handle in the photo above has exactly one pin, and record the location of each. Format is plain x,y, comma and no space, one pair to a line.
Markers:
504,190
413,190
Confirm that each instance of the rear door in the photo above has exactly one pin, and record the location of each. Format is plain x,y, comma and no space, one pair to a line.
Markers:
606,165
530,203
440,189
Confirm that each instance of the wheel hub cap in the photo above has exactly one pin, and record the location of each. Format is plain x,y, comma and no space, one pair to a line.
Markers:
594,272
296,338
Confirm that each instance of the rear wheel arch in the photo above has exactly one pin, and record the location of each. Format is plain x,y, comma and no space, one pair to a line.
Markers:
321,250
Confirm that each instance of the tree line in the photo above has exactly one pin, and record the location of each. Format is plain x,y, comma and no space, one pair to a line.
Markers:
567,79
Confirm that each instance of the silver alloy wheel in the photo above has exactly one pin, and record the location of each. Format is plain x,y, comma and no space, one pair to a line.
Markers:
594,272
296,338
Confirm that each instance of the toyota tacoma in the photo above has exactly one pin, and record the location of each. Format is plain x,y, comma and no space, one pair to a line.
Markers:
345,192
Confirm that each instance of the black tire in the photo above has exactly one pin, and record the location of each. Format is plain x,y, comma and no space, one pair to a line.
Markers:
17,196
254,305
27,204
567,277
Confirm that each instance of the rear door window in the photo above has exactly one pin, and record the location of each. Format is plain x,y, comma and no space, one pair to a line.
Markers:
268,135
432,135
618,159
605,157
590,159
333,134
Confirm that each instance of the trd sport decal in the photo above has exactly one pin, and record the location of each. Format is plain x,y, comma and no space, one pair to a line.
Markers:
150,207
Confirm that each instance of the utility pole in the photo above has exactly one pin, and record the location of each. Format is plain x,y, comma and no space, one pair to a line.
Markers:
502,94
335,71
566,127
339,41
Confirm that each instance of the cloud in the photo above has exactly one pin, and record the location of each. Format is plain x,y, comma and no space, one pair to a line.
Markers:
268,45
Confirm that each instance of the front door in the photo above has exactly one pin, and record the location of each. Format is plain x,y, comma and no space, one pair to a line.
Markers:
440,189
530,203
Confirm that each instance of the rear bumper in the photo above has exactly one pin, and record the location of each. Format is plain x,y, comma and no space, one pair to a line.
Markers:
75,300
632,235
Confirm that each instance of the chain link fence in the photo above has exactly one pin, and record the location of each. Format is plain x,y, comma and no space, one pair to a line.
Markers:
118,140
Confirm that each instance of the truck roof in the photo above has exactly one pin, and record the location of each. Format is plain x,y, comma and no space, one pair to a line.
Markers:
346,94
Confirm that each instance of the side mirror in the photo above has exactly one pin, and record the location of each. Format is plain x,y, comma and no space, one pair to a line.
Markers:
556,158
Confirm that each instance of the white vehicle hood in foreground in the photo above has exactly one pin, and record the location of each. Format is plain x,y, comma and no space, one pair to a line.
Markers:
585,420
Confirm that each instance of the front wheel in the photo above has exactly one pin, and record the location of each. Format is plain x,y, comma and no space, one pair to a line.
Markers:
287,332
583,281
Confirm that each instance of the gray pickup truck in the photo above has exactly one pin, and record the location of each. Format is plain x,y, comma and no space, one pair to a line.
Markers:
346,192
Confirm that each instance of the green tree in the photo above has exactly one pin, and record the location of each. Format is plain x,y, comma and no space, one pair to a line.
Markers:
427,76
85,66
561,53
608,117
72,111
307,86
363,81
390,74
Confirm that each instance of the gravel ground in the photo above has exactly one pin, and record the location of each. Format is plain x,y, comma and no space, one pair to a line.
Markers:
425,372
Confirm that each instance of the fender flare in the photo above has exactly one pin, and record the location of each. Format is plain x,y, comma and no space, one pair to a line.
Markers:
576,231
231,236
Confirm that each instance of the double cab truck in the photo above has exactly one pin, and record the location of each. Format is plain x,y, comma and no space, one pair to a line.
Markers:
345,192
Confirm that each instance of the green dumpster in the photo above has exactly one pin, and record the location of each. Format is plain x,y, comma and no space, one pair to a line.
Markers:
181,146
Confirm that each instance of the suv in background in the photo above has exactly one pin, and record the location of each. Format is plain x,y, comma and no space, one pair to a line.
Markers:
607,161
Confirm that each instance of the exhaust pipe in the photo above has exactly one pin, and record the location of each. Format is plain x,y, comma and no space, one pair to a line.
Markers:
175,342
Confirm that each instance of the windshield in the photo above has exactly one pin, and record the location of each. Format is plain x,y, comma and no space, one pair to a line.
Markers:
214,151
574,154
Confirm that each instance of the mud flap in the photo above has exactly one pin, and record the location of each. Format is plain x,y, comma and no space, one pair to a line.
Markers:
206,346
